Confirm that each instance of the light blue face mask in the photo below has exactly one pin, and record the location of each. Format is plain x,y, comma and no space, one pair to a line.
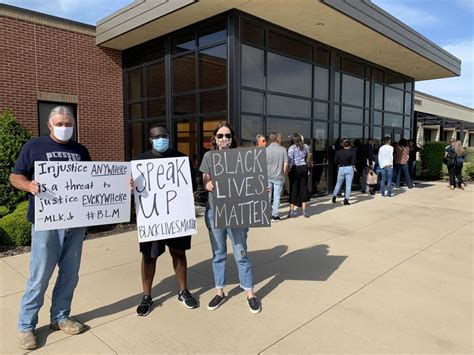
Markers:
161,144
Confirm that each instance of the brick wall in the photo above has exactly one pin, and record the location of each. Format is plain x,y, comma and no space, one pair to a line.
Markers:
37,58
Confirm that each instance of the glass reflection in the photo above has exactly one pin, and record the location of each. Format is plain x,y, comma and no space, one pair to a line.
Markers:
321,83
212,67
252,101
352,114
393,100
250,127
288,75
287,106
253,62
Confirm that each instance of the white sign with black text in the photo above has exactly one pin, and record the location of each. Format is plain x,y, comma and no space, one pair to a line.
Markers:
164,200
80,194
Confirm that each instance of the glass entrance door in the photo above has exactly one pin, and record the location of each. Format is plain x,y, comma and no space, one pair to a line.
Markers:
319,147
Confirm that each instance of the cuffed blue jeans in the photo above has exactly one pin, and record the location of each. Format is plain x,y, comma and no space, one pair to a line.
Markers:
276,188
347,173
387,174
218,237
62,247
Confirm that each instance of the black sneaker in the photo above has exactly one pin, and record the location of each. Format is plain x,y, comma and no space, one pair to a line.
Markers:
275,218
216,302
254,305
334,199
346,202
186,298
145,306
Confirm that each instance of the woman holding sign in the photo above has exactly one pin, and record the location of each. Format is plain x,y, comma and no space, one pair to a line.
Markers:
223,138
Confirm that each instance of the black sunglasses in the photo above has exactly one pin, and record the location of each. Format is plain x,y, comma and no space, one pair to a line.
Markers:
227,135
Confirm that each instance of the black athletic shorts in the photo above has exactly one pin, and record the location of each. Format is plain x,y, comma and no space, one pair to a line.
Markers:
157,247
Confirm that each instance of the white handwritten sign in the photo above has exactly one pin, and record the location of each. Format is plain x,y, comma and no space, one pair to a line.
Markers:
163,198
240,197
79,194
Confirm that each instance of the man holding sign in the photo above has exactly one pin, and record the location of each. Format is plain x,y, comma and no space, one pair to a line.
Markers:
62,247
150,175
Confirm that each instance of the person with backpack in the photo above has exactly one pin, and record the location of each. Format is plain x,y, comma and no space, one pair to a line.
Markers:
454,160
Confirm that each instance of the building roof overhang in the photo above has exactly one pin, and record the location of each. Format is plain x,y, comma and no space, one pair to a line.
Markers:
357,27
431,107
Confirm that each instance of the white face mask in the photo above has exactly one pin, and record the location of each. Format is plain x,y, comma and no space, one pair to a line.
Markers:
63,133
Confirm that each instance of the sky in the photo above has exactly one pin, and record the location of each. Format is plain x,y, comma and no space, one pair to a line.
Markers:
448,23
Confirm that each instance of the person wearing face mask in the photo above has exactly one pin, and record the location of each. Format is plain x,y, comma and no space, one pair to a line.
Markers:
160,142
224,138
51,248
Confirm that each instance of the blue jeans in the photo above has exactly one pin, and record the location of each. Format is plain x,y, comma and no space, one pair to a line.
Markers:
276,187
386,177
406,174
344,172
62,247
218,237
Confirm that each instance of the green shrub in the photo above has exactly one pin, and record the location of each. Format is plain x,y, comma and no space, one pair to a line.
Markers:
468,171
12,138
4,211
469,155
14,227
432,160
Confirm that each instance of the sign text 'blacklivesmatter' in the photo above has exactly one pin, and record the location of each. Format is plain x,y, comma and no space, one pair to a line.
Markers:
80,194
163,198
240,198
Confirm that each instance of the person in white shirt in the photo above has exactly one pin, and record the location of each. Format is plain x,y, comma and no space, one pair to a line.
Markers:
385,159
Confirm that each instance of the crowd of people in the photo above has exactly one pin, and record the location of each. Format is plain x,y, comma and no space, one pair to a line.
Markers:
62,248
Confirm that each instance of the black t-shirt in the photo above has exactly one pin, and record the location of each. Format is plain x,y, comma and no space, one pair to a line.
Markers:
170,153
345,157
44,148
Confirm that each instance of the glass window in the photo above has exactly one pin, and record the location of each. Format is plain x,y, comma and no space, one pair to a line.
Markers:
184,73
184,105
377,117
250,127
253,66
393,100
135,85
337,113
367,93
145,52
378,104
407,121
394,81
288,127
135,112
366,132
390,119
351,114
377,137
406,134
186,137
321,83
287,106
289,46
320,135
288,75
253,34
320,111
136,139
212,34
212,67
409,86
213,101
352,90
337,87
156,108
351,132
155,80
252,101
408,103
336,132
184,42
352,67
321,57
208,126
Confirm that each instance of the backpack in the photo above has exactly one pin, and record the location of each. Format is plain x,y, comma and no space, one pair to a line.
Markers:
450,158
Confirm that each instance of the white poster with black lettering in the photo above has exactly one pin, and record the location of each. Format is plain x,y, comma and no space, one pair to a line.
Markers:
164,200
79,194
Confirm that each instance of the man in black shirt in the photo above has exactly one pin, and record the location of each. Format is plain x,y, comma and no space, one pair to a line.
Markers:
61,247
159,138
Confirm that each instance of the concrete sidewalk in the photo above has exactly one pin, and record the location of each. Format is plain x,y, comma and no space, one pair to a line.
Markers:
384,275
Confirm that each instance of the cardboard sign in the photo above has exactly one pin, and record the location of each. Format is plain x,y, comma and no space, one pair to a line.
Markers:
79,194
163,198
240,198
